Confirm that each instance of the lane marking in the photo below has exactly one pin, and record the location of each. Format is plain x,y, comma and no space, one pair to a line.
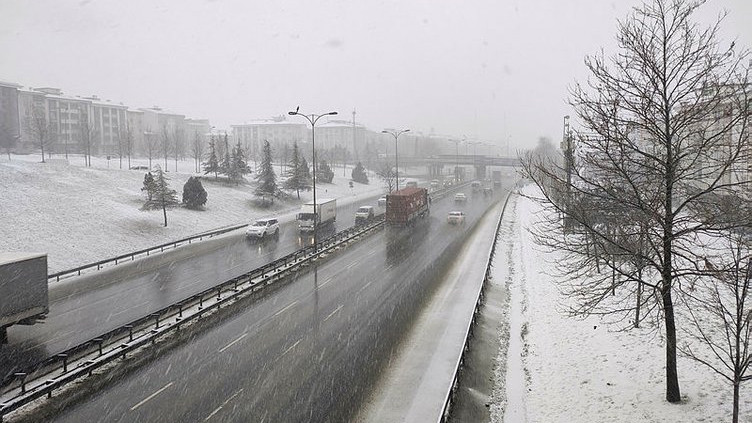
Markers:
353,264
334,312
286,308
326,282
364,287
151,396
223,404
233,342
291,347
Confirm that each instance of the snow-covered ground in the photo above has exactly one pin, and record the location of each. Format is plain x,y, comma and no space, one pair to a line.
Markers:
79,214
561,369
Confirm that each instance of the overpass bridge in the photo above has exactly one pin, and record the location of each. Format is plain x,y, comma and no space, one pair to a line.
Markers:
435,164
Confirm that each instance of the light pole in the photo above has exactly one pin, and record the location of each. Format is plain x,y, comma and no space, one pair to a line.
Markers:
457,155
396,135
312,119
475,158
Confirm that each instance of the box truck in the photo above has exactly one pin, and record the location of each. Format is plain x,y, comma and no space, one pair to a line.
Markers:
23,290
325,213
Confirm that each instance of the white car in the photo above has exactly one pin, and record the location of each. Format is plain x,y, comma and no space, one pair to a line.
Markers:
364,215
460,198
382,201
456,218
263,228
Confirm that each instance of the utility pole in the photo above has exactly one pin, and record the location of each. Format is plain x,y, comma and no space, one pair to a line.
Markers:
355,148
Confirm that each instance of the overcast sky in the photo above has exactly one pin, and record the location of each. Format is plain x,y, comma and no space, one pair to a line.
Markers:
493,69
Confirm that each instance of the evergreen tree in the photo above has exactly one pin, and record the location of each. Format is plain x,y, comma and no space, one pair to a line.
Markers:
266,178
294,179
194,194
325,173
359,174
225,167
238,165
162,196
211,165
305,174
148,187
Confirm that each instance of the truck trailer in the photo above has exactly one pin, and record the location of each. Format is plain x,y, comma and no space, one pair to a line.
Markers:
403,207
23,290
325,212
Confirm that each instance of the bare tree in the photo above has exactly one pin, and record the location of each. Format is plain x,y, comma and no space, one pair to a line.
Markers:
164,137
150,144
41,130
8,138
178,135
88,133
197,150
720,309
126,137
387,175
652,151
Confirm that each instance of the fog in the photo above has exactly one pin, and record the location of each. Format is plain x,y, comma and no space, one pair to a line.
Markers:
497,71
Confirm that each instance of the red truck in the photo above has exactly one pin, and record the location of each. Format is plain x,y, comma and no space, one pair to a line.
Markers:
406,205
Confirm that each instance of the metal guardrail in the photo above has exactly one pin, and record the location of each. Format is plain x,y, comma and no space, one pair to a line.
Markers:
438,194
452,391
81,360
147,251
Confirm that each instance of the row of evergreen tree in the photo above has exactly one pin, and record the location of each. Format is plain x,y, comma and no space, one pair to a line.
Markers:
233,165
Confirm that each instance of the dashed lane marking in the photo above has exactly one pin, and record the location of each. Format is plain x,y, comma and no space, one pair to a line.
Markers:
233,342
291,305
151,396
333,313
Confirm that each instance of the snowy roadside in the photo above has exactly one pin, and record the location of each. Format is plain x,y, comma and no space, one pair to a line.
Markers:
560,369
79,215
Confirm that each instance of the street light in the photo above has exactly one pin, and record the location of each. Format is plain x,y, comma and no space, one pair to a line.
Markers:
457,166
312,119
396,135
475,158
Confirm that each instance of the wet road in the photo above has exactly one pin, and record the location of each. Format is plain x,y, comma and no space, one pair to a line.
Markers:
87,306
308,351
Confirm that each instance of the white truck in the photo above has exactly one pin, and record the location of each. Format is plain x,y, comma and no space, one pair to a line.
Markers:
23,290
325,213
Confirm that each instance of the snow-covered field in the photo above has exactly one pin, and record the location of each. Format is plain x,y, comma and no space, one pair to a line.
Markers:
79,214
570,370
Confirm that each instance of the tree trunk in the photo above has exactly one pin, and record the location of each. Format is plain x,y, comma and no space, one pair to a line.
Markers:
735,418
639,299
673,394
164,211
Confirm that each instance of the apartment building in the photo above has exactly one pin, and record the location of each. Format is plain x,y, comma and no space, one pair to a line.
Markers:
10,125
278,131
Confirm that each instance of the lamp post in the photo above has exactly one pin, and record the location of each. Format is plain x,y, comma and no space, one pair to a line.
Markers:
475,157
312,119
396,135
457,165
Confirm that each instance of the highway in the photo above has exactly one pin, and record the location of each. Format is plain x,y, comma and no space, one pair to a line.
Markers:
85,307
310,350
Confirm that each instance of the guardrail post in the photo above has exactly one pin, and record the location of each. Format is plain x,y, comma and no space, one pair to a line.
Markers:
65,361
219,294
156,320
130,332
180,310
201,302
99,344
21,376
